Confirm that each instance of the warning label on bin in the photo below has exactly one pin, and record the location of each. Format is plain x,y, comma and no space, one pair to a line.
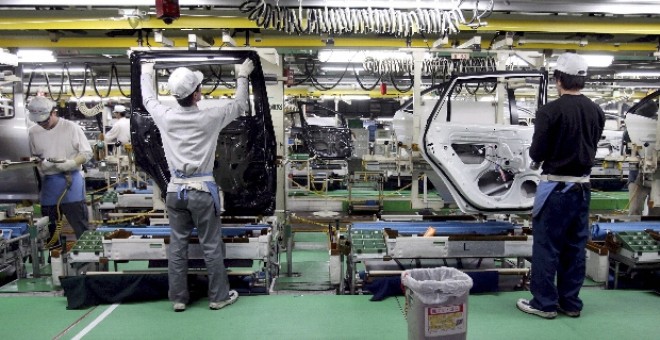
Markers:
445,320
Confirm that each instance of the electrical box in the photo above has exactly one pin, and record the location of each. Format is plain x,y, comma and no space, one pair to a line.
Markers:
168,10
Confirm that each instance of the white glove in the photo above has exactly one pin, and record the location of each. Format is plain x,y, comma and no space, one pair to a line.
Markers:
148,67
67,165
244,69
47,166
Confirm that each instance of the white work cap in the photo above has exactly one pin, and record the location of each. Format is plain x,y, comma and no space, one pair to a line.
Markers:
573,64
40,108
183,82
119,109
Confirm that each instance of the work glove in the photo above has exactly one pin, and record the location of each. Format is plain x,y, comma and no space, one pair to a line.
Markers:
47,166
244,69
67,165
148,67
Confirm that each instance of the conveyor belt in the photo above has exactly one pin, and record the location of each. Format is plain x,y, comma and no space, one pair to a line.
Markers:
599,230
441,228
227,231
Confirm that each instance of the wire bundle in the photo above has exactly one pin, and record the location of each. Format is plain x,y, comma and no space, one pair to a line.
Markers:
316,20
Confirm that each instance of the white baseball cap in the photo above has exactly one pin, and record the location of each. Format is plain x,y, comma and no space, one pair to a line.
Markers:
183,82
119,108
573,64
40,108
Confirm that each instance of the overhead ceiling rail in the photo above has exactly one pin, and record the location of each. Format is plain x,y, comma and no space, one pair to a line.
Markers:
305,42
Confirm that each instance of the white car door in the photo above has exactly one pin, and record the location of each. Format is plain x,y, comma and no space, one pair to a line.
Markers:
478,146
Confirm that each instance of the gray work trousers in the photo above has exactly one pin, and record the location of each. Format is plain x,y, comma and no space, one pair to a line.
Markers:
75,212
185,214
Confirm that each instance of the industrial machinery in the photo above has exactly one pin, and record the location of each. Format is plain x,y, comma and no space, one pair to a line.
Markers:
387,248
245,245
22,237
641,125
631,248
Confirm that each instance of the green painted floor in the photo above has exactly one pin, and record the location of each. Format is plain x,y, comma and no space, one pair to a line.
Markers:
607,315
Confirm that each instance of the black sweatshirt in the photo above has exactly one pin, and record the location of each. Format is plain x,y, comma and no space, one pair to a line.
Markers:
566,135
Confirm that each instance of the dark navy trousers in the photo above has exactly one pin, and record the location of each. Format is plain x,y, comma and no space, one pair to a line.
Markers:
560,231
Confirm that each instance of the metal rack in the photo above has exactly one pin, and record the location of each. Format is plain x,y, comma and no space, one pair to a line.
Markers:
365,180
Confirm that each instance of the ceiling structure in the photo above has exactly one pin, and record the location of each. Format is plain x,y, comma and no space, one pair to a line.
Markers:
100,33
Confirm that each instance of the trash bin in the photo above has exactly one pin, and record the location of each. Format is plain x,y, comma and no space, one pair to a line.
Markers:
436,302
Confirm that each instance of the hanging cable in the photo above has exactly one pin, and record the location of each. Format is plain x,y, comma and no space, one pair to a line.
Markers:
50,90
218,76
399,89
366,88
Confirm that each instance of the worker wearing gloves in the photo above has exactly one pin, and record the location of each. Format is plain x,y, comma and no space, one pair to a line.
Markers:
121,129
566,134
63,148
189,137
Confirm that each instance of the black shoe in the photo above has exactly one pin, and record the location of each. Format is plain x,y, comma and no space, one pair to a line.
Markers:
573,314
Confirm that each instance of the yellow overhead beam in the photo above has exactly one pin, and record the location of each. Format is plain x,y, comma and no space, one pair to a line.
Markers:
289,41
574,24
8,22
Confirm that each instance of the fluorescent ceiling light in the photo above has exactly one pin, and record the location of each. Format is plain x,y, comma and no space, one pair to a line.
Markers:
355,97
36,56
7,58
53,69
598,60
341,69
639,74
358,56
593,60
193,59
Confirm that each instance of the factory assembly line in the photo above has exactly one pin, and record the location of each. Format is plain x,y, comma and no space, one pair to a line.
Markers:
412,182
478,152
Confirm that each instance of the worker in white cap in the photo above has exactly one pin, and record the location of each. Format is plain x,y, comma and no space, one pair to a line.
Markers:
190,136
63,148
121,129
566,135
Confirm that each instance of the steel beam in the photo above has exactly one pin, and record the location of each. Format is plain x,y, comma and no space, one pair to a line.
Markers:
311,42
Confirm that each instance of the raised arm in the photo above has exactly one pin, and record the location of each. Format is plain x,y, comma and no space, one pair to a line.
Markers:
149,96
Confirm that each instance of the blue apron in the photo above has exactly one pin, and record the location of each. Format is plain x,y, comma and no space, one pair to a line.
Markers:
543,191
52,187
182,191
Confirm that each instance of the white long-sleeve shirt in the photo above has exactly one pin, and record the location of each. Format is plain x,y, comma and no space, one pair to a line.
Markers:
65,140
190,135
121,131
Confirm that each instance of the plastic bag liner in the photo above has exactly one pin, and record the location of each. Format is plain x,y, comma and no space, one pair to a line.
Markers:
436,285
